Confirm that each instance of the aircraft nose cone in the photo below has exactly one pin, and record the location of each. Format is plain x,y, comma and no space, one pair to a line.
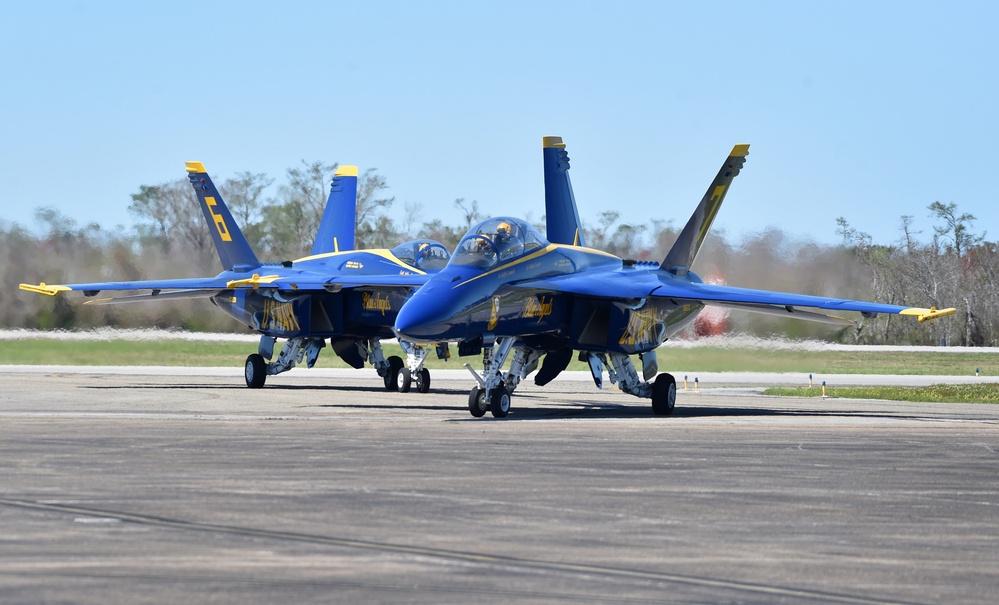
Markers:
418,319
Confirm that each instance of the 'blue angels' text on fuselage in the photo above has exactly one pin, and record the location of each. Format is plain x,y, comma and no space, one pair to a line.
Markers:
368,312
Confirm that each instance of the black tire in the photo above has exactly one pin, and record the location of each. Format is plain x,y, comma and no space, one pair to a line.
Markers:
476,402
499,402
404,380
390,377
423,381
663,395
255,371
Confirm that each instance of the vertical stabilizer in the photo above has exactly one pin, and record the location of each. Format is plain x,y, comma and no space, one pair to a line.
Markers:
682,254
561,215
234,251
336,230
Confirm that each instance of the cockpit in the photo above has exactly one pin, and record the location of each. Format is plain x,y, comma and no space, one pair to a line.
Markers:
423,254
496,240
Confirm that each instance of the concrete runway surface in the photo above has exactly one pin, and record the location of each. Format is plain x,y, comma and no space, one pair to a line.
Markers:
182,485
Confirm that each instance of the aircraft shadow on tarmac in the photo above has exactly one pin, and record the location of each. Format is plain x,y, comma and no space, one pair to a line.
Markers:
276,387
582,409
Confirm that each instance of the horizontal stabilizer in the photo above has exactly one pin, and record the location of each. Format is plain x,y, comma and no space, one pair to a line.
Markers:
154,295
785,311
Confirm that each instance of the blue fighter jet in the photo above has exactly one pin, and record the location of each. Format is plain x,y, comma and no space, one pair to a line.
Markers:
509,290
348,296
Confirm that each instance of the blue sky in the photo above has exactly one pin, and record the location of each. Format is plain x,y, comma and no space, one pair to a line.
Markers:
867,110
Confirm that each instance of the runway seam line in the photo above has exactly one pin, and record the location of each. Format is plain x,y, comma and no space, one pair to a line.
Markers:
575,568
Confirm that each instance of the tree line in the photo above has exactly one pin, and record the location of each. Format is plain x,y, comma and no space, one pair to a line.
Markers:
955,267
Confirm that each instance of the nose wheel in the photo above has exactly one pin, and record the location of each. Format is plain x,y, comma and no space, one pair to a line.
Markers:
498,403
405,378
477,402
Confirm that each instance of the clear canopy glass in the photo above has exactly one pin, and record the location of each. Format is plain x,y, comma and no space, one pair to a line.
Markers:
423,254
496,240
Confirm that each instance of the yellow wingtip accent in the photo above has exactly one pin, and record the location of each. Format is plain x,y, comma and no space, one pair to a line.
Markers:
43,289
740,151
928,314
254,281
346,171
552,142
195,167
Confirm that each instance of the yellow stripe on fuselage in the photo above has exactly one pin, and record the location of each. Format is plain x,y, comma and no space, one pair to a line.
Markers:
382,252
534,255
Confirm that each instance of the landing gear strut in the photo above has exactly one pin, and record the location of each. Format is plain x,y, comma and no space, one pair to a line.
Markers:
496,387
292,353
413,371
622,372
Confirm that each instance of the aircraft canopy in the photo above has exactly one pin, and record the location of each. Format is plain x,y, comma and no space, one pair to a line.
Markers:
424,254
496,240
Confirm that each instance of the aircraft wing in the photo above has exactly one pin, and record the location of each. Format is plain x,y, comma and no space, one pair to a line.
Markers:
636,284
318,281
784,303
207,285
163,289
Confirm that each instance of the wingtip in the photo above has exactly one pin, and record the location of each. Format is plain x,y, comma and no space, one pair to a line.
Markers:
930,314
42,288
740,151
195,167
346,171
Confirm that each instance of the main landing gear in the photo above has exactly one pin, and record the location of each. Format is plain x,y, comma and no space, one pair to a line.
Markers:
495,387
257,369
622,372
395,374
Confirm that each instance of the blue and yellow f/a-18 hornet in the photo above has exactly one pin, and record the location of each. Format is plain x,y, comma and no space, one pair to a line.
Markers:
348,296
509,289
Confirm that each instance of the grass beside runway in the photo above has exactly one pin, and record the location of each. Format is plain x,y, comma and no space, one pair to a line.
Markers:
940,393
678,360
